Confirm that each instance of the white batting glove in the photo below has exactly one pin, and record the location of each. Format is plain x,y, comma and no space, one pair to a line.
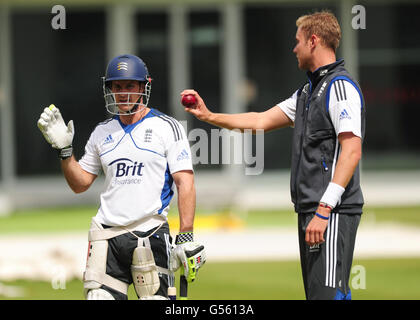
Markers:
187,254
55,131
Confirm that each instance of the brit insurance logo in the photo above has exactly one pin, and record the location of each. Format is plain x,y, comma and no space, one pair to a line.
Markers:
127,171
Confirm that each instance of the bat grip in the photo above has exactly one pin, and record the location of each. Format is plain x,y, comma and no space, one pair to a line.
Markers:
183,288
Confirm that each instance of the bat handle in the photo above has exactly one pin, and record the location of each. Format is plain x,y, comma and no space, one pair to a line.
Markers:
172,293
183,288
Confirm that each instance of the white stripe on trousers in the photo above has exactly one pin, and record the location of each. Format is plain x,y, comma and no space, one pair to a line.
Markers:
171,279
331,250
332,234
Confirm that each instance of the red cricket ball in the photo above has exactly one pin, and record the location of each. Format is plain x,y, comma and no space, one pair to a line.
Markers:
189,101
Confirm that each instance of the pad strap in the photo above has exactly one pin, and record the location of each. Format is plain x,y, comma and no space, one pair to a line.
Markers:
146,243
105,234
163,270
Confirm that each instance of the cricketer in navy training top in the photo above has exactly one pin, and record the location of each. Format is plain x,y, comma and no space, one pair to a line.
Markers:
143,154
327,114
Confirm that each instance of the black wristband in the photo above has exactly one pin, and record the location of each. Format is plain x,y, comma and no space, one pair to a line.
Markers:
65,153
184,237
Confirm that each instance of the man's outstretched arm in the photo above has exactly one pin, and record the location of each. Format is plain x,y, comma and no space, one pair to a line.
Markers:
269,120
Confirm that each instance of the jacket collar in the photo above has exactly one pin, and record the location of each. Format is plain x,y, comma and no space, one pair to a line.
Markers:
318,74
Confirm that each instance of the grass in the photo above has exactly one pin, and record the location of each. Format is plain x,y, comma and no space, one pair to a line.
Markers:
48,220
409,215
78,218
389,279
271,280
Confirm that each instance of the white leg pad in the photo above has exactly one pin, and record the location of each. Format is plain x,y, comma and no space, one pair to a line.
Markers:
144,272
95,273
95,264
99,294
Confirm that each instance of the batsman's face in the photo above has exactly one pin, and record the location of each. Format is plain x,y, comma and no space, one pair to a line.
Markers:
127,93
302,50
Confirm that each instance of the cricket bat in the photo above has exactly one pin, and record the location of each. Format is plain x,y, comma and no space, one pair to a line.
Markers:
183,287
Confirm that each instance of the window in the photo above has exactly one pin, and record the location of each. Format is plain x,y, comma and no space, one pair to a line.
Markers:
63,67
389,58
152,48
205,41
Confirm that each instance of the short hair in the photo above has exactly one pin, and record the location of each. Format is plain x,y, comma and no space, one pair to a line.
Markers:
323,24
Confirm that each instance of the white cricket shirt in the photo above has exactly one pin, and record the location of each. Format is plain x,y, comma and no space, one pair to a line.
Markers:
138,161
344,109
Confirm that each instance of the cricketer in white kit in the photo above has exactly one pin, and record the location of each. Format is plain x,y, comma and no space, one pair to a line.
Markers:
143,154
137,161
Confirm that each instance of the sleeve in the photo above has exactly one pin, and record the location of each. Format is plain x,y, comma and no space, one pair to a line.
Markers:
289,106
90,161
178,152
345,107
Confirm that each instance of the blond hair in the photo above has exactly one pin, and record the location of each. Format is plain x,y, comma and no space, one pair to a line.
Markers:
323,24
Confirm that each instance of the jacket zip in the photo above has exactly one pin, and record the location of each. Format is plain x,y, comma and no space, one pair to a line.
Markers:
305,118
